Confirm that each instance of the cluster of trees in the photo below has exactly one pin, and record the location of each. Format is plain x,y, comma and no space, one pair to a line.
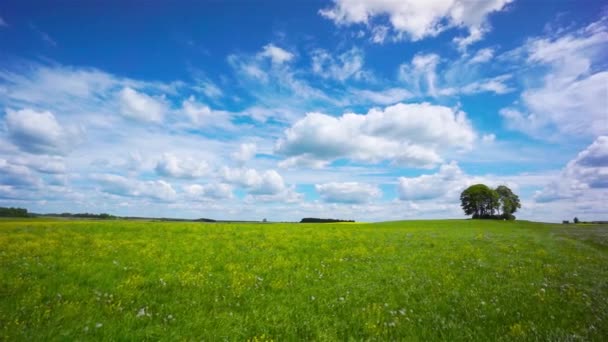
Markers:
485,203
320,220
102,216
13,212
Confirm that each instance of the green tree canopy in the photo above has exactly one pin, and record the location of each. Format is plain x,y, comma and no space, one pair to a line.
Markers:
479,200
509,202
483,202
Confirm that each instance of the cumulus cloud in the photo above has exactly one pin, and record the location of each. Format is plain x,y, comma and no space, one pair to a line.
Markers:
170,165
584,176
17,175
209,191
268,182
417,19
201,115
445,183
405,134
348,192
244,153
38,132
122,186
141,107
42,163
572,98
276,54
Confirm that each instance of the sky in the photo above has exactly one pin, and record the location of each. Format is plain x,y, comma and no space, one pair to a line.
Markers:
369,110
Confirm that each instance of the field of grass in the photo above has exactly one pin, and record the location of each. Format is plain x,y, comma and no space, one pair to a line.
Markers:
414,280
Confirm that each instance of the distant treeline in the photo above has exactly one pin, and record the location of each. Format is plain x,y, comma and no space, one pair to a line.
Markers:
102,216
13,212
320,220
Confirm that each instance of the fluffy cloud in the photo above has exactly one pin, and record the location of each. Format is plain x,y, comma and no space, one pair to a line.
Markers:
38,132
445,183
268,182
41,163
141,107
17,175
418,19
201,115
171,166
209,191
276,54
572,98
584,176
406,134
347,192
122,186
244,153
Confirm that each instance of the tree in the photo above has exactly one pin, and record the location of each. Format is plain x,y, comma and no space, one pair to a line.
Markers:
576,220
480,201
508,201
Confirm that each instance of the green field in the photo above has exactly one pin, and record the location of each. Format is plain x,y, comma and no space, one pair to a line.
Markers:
414,280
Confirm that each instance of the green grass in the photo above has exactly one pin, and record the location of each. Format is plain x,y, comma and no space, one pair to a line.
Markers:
414,280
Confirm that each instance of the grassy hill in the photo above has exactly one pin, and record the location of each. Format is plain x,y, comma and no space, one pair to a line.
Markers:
413,280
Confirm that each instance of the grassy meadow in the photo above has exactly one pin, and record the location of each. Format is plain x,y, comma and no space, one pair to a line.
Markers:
413,280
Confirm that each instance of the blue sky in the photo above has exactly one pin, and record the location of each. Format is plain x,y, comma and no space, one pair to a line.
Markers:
356,109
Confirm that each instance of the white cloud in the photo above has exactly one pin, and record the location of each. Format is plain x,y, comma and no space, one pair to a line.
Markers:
209,191
418,19
276,54
38,132
406,134
445,183
421,74
342,67
141,107
210,89
274,85
3,23
172,166
201,115
122,186
572,97
495,85
383,97
288,195
347,192
379,34
17,175
482,56
245,153
584,176
41,163
268,182
488,138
